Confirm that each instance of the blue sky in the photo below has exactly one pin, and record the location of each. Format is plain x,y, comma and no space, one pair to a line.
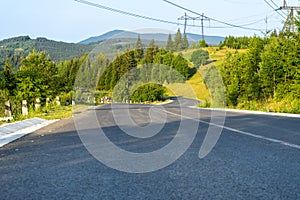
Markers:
70,21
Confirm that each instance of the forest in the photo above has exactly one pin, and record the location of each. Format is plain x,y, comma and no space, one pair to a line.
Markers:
38,76
266,76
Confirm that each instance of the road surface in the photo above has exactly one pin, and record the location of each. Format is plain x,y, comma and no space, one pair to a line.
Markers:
256,157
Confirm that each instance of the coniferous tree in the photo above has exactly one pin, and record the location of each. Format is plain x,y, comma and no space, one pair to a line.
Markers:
150,53
185,43
202,44
139,48
178,41
169,46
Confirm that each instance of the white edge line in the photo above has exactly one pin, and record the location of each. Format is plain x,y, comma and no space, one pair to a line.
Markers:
240,132
250,112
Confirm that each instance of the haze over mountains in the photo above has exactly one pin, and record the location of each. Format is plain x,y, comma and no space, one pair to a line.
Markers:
211,40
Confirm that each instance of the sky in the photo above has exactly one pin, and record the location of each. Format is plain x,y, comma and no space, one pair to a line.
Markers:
71,21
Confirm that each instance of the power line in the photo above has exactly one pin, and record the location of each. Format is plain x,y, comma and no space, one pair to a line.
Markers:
212,19
126,13
148,18
279,7
274,4
275,9
135,15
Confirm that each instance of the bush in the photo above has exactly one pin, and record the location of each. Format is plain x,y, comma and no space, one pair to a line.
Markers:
199,57
149,93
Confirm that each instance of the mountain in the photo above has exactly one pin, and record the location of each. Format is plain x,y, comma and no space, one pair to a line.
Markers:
158,37
17,47
109,43
101,37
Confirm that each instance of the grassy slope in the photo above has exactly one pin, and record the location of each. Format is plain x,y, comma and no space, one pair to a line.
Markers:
197,84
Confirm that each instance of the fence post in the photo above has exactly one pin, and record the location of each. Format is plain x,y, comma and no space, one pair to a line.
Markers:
57,101
24,108
37,104
7,109
47,102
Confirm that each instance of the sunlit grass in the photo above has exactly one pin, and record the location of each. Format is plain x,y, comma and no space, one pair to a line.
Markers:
54,112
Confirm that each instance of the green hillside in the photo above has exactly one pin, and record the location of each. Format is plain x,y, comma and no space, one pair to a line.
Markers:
17,47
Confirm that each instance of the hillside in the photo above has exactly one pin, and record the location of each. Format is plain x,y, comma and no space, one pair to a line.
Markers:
18,47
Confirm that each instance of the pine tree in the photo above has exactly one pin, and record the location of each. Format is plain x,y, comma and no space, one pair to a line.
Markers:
169,46
202,44
139,48
150,52
178,41
185,43
139,44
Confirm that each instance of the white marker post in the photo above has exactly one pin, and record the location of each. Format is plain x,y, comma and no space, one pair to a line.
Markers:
24,108
7,109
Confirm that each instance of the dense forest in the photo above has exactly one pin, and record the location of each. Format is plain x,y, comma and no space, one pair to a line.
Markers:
266,76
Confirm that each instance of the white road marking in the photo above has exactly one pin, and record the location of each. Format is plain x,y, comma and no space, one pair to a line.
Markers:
239,131
250,112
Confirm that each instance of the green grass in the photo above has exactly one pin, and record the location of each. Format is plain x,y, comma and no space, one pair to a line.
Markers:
195,86
59,112
51,113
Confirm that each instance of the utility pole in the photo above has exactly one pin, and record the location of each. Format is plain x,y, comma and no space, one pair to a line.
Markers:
185,23
202,24
267,31
185,18
290,21
202,18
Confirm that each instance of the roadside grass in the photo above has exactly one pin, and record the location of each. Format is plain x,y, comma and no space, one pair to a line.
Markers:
181,89
58,112
50,113
193,88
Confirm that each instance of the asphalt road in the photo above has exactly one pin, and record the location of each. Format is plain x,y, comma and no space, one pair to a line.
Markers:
256,157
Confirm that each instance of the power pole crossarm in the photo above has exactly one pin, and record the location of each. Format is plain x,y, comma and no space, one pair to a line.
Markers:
202,18
290,21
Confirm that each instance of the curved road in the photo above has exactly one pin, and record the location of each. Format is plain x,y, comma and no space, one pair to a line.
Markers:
256,157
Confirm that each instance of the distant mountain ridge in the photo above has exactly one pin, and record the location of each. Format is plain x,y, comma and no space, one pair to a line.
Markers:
102,37
115,41
162,37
